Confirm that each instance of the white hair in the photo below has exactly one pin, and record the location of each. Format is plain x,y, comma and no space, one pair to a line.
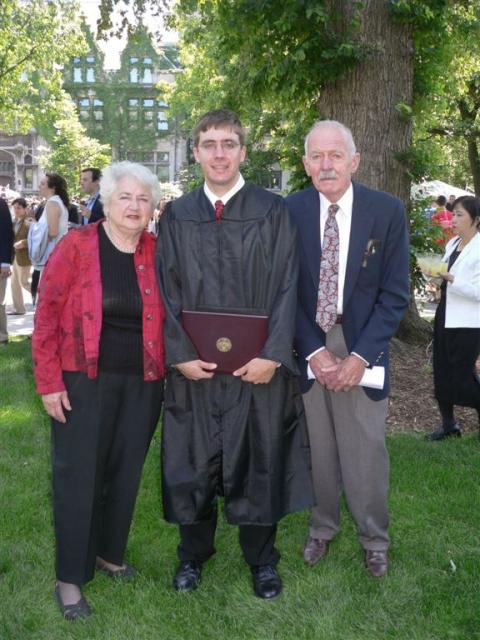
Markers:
324,124
115,172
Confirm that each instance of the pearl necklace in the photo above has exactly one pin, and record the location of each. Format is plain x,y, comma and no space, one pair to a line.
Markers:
117,243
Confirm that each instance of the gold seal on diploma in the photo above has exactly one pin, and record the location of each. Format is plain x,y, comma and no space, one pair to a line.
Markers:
224,345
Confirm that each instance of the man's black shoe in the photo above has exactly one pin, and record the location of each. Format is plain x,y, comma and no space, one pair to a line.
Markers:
188,575
441,433
267,583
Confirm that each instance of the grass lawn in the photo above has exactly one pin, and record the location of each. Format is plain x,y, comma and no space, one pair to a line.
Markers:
431,592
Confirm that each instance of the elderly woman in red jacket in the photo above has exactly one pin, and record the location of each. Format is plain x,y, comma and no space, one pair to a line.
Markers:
99,367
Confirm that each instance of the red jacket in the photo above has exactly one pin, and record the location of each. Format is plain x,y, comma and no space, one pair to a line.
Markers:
68,319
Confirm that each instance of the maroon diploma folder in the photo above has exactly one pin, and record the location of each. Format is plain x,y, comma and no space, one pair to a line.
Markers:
228,339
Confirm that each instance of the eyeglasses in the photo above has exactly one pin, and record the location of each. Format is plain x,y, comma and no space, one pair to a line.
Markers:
227,146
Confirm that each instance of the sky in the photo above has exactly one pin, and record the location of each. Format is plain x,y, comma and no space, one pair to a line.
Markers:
114,46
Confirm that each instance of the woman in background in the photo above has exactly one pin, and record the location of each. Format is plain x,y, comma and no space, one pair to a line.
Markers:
456,342
99,367
55,213
443,218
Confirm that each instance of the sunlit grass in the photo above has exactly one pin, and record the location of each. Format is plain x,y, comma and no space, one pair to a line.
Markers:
431,593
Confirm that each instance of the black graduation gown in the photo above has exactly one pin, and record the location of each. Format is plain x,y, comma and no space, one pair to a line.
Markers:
224,436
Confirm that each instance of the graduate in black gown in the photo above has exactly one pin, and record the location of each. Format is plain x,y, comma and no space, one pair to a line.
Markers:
230,246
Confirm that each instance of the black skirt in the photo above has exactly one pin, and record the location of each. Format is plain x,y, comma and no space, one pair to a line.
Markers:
455,352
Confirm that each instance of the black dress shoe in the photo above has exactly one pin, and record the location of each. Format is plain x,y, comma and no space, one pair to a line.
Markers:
188,576
80,609
267,584
441,433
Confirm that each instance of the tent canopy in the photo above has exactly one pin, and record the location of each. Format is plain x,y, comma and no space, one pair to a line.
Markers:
435,188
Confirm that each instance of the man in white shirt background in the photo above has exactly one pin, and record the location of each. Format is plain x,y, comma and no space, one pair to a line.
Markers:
92,210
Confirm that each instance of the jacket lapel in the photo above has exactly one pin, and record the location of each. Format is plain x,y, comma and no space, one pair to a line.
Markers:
310,229
470,248
362,223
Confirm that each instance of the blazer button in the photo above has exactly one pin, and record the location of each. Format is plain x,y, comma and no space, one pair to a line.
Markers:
148,292
141,267
150,374
149,316
150,343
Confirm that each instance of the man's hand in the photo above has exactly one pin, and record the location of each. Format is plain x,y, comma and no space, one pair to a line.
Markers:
84,211
321,361
196,369
55,403
346,375
257,371
5,272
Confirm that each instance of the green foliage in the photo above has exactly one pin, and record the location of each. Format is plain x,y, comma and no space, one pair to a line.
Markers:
447,93
423,239
36,38
71,150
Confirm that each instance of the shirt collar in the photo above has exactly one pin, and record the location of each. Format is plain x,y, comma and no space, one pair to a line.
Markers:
345,203
226,196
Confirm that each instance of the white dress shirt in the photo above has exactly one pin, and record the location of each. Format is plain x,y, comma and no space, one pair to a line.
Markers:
226,197
344,222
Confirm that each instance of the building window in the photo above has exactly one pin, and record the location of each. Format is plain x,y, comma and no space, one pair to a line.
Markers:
97,103
274,181
134,74
148,103
90,74
84,115
147,76
163,156
84,102
163,173
133,60
98,115
28,177
162,121
77,74
90,59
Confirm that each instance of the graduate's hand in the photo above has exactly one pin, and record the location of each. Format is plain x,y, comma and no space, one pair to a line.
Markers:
346,375
55,403
196,369
323,365
257,371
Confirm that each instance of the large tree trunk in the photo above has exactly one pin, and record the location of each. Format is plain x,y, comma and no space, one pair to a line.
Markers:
367,100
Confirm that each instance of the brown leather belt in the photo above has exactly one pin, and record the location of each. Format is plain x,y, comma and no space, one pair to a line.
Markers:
339,319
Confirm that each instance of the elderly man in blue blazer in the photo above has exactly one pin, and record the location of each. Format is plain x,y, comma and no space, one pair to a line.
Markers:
353,291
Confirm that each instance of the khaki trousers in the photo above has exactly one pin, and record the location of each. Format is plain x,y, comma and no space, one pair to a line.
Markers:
347,441
3,312
20,278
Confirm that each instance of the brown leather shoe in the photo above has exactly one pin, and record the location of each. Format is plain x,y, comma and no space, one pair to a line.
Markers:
376,562
314,550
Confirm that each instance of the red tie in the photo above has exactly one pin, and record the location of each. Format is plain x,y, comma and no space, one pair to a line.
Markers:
219,206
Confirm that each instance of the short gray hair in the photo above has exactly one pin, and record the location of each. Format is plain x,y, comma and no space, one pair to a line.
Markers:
119,170
324,124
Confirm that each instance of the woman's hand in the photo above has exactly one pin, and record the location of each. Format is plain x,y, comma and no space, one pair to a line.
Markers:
55,403
447,276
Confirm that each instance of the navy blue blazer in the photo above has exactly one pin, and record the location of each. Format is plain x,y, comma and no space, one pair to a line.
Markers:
97,211
376,290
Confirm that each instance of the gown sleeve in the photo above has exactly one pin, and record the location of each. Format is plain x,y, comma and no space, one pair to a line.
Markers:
285,265
178,347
